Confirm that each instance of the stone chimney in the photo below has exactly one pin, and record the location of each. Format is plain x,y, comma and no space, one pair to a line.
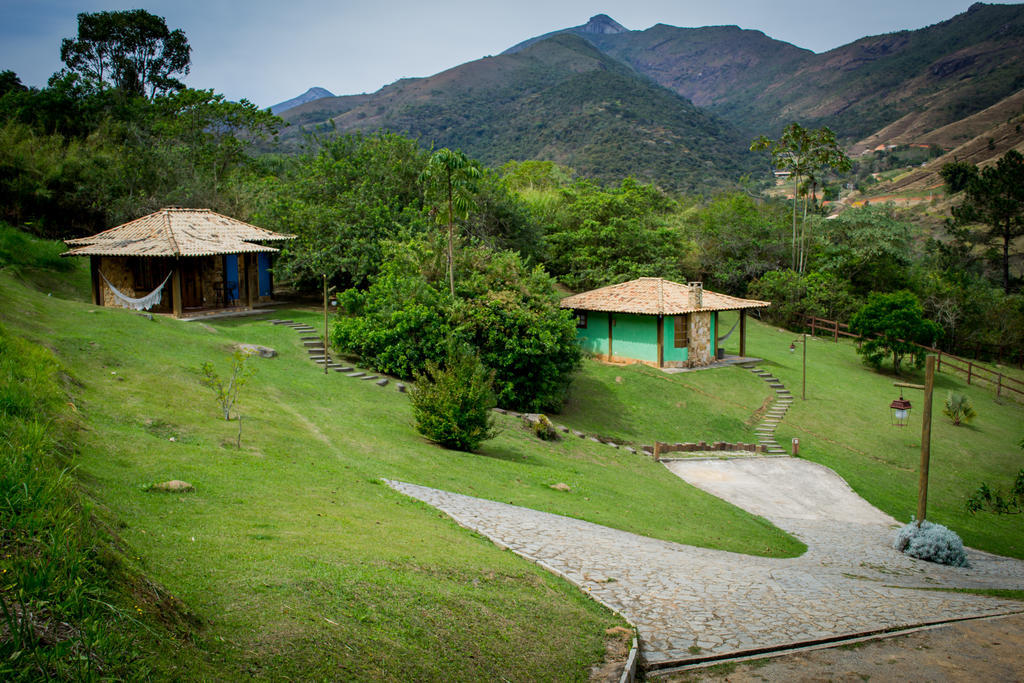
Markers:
696,294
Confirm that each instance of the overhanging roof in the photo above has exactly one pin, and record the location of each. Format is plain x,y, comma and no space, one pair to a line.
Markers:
656,296
177,232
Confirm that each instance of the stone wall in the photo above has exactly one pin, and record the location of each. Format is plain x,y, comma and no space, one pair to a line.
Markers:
700,339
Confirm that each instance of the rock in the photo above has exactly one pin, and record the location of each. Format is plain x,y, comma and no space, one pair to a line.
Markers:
400,387
541,426
256,349
173,486
382,382
561,486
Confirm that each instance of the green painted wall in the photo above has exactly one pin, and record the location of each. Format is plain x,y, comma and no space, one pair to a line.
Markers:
594,337
672,354
635,336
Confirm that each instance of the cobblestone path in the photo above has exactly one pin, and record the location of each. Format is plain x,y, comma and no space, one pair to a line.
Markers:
689,603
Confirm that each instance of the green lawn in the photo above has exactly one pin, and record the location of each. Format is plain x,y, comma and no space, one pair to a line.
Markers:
845,425
296,560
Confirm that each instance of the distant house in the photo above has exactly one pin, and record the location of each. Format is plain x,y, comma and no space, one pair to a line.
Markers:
206,262
655,321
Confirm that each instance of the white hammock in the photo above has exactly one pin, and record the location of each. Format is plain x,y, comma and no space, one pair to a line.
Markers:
143,304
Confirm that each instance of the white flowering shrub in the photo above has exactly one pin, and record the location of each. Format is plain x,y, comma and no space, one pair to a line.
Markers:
932,542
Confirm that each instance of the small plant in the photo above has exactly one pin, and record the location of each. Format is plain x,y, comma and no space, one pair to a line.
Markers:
542,427
931,542
987,500
227,389
958,408
452,404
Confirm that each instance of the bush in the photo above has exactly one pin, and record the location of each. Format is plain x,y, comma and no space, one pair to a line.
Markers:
453,404
931,542
958,408
507,313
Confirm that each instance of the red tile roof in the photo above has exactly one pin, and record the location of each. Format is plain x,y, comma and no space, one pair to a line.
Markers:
656,296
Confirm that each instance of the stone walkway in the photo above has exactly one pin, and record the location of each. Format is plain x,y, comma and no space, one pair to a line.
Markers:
692,604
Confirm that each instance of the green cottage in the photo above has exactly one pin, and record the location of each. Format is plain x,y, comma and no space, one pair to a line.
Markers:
656,321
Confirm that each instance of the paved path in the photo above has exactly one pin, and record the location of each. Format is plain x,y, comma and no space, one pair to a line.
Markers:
690,603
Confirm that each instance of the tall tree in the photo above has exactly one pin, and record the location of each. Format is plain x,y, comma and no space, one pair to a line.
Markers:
805,153
994,197
132,50
451,179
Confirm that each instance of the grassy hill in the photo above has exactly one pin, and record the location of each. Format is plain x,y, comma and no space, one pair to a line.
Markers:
291,559
559,99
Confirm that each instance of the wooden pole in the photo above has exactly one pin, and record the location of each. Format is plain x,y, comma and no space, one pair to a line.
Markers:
179,306
326,354
926,439
743,333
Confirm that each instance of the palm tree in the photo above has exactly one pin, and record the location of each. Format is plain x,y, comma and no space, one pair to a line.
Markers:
450,178
805,154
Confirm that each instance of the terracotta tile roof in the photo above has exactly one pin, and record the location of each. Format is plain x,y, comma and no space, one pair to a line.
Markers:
177,232
656,296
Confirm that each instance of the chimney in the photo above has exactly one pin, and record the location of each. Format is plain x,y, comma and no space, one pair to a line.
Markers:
696,294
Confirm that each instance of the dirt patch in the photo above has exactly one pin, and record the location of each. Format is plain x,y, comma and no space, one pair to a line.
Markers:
617,643
978,650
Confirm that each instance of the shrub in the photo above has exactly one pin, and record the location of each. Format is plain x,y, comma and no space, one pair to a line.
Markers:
893,324
931,542
453,404
958,408
994,501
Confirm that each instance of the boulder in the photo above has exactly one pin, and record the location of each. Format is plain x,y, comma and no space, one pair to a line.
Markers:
173,486
256,349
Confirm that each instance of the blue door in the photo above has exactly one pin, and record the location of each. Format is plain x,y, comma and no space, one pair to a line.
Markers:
230,278
263,267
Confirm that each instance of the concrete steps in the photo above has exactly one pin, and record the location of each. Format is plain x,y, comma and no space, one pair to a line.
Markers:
765,430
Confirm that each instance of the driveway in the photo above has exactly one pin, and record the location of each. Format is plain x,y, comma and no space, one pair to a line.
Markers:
693,604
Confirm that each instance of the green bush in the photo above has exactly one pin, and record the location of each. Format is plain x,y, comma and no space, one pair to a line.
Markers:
958,408
507,313
453,403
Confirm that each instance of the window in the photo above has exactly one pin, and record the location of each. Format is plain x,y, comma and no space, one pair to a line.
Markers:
682,337
581,320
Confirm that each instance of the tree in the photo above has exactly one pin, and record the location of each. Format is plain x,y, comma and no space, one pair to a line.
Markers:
450,178
453,404
132,50
893,323
806,154
993,196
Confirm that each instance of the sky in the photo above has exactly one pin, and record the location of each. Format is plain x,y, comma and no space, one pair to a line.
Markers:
270,51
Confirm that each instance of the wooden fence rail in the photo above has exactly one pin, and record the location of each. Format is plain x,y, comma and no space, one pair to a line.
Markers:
974,372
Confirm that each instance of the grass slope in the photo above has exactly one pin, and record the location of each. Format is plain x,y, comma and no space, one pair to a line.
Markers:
297,561
844,424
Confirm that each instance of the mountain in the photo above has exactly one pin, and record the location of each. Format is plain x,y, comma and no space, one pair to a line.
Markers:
946,71
599,25
308,96
558,98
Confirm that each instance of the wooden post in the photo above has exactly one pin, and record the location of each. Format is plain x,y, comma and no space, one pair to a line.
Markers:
179,305
94,272
248,281
938,361
970,367
661,341
657,451
327,354
926,439
835,335
610,336
999,384
743,333
813,321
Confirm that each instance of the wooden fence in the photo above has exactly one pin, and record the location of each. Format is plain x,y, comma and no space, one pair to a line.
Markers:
974,372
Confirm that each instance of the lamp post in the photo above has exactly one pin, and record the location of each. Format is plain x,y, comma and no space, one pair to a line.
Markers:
926,430
803,376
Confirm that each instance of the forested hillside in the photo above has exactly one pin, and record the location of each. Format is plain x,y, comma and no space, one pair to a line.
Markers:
559,99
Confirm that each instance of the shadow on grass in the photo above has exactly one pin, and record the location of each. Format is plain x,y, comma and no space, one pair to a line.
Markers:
497,452
598,404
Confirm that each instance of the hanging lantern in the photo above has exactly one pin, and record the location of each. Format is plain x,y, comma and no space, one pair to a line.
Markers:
792,347
900,411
